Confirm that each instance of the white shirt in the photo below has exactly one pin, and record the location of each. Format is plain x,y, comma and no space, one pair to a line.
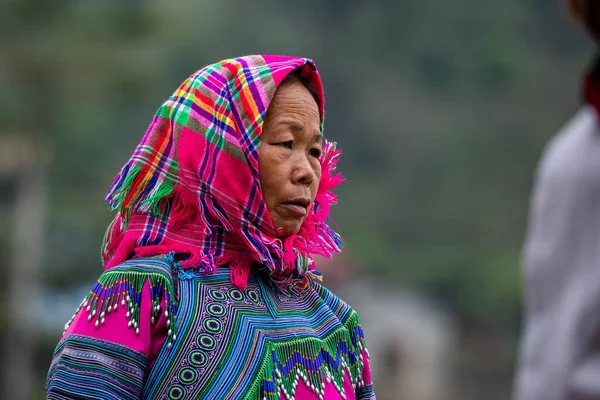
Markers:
560,348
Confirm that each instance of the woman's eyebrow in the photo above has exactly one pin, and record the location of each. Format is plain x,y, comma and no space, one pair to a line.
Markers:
296,127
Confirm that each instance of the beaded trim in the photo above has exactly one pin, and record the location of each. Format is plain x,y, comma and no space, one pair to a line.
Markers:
315,362
123,285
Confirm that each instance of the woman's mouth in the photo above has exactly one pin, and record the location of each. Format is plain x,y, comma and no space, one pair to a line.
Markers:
298,206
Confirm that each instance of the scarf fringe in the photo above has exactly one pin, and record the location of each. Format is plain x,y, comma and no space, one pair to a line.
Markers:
184,207
240,267
112,238
136,190
123,251
194,257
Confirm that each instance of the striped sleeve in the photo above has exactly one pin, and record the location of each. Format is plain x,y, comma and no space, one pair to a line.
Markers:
91,368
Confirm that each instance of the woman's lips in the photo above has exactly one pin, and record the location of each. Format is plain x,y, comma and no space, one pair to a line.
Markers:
296,209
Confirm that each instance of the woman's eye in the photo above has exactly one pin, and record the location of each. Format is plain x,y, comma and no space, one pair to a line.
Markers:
287,145
315,152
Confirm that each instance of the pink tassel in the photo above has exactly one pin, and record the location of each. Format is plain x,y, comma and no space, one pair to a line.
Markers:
290,246
329,160
239,273
196,259
150,251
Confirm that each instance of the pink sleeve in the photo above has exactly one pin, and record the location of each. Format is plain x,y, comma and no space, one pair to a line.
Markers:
365,391
146,336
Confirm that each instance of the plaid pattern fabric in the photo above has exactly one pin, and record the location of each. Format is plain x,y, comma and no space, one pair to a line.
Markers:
192,184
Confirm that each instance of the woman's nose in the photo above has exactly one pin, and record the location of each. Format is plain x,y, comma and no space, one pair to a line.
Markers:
303,172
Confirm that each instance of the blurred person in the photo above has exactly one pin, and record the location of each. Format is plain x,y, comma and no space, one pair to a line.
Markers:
560,348
209,289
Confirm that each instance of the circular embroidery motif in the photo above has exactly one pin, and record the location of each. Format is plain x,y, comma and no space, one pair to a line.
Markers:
253,295
176,392
187,375
207,342
216,294
236,295
197,358
212,325
216,309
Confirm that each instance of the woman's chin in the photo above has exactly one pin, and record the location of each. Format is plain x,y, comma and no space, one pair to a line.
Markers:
288,228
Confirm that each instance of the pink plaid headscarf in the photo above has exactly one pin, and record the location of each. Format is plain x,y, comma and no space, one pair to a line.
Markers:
192,184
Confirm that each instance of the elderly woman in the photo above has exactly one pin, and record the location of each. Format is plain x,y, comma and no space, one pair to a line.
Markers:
209,288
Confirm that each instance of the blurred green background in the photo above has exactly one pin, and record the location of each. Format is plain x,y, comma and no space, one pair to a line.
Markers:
441,108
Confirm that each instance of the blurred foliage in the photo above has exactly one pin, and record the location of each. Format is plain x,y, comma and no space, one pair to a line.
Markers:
441,108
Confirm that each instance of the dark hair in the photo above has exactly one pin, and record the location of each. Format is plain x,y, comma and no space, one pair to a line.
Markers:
592,17
295,76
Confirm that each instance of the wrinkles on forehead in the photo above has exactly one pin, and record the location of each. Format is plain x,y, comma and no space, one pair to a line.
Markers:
293,110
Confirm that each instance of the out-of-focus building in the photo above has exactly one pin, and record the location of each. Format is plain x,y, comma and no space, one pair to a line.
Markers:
22,168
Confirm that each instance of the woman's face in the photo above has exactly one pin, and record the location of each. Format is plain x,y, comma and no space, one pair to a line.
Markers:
289,168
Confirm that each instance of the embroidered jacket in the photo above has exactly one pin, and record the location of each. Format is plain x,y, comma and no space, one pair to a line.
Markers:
151,330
